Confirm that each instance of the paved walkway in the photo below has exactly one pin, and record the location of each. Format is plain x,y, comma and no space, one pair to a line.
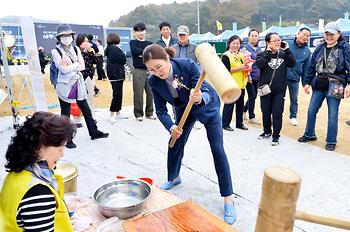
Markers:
138,149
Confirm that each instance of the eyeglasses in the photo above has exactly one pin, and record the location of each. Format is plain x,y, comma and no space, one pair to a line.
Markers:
156,69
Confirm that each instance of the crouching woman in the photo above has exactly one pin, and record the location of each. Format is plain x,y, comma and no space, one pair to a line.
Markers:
31,197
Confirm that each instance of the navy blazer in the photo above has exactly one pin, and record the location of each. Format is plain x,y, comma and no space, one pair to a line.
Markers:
188,73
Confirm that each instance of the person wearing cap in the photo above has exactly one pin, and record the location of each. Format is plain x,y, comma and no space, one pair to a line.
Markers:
139,80
184,48
165,40
70,86
330,64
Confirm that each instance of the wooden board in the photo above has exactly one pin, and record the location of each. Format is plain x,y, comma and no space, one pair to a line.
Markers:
183,217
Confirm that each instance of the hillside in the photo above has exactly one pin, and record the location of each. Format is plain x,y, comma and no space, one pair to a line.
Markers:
246,13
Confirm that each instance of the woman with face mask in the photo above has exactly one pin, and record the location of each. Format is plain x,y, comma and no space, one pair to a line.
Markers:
70,83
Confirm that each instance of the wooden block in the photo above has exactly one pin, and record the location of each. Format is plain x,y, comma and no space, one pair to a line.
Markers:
186,216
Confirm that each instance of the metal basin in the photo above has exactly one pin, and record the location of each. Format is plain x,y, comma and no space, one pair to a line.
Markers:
122,198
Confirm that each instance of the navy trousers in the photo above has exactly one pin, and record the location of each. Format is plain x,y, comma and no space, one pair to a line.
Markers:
215,137
228,111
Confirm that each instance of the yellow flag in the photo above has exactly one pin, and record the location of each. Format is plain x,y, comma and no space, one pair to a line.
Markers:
219,25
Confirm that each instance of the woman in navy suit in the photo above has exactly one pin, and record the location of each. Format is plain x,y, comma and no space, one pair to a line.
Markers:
173,81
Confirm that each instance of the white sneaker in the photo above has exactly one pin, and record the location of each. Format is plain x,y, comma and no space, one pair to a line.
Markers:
293,121
113,119
120,116
254,121
275,142
140,119
152,117
245,116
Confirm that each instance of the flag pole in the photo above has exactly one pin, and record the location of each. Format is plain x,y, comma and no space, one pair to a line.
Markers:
198,19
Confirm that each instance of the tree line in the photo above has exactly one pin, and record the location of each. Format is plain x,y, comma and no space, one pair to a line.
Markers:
245,13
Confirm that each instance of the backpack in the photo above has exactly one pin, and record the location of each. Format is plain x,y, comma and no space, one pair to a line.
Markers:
54,70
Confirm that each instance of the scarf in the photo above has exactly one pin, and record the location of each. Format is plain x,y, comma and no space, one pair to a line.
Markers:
41,170
328,64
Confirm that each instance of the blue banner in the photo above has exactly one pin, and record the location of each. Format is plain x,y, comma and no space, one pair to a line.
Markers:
125,34
46,36
46,33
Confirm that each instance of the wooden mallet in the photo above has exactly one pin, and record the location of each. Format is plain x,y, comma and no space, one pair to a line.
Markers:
217,75
277,209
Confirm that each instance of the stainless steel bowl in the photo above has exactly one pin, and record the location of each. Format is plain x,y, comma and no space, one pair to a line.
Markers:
122,198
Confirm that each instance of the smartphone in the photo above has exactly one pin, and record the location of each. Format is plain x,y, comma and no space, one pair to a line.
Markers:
283,44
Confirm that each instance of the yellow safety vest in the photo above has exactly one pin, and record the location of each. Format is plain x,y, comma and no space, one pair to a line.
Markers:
13,190
235,62
2,221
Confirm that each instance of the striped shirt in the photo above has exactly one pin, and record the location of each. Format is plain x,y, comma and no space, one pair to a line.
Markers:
36,211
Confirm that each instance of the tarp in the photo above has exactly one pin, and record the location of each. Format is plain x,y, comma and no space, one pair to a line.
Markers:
243,33
344,25
286,32
196,38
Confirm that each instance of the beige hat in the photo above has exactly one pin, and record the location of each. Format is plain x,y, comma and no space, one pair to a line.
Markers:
332,27
183,30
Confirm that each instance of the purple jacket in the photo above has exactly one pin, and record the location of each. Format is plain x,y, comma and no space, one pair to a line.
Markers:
255,73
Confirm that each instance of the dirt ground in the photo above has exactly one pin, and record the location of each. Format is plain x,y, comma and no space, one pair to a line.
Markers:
103,101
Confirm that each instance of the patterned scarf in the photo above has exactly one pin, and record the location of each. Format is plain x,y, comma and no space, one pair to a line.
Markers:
329,64
41,171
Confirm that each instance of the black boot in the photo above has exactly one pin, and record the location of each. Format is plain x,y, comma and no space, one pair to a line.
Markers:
70,145
99,135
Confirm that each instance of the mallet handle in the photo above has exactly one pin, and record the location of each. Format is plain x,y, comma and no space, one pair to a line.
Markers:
324,220
188,108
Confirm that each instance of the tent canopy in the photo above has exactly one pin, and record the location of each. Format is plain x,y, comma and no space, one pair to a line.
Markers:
344,26
290,31
243,33
196,38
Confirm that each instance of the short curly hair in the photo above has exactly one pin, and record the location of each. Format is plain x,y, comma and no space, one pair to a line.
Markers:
40,129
